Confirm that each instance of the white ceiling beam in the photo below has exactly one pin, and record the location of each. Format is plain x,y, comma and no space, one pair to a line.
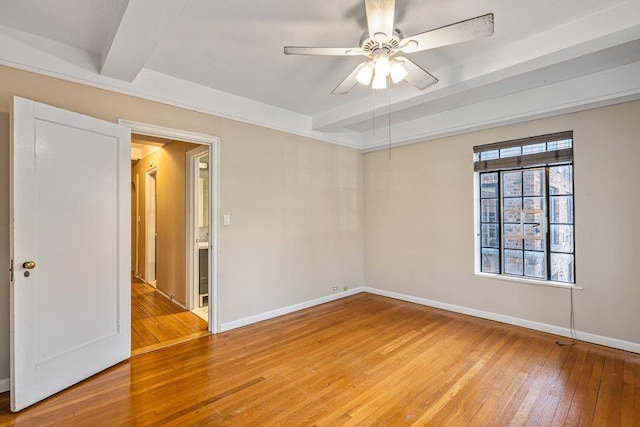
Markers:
135,32
498,84
608,87
604,29
17,50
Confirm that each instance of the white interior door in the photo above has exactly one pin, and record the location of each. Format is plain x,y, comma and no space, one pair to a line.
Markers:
70,312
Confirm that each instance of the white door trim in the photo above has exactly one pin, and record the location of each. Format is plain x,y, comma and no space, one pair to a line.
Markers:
151,218
214,200
136,223
192,267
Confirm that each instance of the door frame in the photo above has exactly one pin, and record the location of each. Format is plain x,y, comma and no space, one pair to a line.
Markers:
213,143
193,173
151,226
136,224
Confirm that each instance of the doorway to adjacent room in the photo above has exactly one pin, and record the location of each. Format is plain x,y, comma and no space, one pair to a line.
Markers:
173,240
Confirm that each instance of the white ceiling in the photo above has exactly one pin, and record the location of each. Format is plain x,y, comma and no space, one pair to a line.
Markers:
226,58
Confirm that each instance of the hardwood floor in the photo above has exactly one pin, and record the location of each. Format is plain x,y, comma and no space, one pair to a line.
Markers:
157,322
363,360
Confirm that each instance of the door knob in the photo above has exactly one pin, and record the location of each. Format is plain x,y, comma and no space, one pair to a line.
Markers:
29,265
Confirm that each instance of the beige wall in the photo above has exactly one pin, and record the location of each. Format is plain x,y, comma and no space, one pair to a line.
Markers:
170,165
297,213
295,203
419,225
296,220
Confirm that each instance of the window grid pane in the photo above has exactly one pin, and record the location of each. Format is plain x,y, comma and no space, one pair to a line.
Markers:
490,260
562,268
535,265
561,209
510,152
559,145
513,262
490,155
534,148
561,180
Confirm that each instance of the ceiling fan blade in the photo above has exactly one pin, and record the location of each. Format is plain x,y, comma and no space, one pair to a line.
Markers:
380,16
348,83
470,29
332,51
415,74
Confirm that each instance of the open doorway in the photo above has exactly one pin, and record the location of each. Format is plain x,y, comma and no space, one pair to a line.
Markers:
162,263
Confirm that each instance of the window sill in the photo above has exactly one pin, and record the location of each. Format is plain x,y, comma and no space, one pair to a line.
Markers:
530,281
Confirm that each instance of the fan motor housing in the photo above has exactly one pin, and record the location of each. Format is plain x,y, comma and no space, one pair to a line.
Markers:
369,45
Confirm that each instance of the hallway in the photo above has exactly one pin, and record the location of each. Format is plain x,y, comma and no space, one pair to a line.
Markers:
156,322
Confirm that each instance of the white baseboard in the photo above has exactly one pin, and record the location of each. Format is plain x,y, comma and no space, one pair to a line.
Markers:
286,310
543,327
529,324
172,299
5,385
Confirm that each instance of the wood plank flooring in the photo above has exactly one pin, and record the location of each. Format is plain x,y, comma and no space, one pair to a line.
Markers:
362,360
157,322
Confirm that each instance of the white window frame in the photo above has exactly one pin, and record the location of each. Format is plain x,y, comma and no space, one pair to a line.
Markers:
501,167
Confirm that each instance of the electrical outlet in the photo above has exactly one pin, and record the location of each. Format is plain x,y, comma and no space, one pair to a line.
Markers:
335,288
345,288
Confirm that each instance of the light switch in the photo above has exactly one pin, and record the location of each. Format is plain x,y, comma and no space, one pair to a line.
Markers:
226,219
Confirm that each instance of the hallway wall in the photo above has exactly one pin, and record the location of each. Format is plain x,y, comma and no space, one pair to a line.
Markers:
170,165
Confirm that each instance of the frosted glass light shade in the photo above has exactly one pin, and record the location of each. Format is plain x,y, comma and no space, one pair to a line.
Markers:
379,81
382,65
397,71
365,74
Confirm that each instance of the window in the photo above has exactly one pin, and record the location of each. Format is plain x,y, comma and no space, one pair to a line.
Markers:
526,208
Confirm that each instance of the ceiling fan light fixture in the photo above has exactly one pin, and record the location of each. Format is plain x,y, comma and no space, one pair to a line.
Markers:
397,71
382,41
365,74
382,65
379,81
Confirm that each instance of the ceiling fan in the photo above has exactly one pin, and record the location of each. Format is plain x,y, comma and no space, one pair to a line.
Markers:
382,42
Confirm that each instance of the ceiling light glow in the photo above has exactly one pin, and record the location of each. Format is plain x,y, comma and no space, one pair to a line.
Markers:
382,65
365,74
397,71
379,81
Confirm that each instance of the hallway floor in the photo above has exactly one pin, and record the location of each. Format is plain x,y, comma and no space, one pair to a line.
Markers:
202,312
156,322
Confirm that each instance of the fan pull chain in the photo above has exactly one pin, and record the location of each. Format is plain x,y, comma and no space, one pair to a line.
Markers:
373,110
